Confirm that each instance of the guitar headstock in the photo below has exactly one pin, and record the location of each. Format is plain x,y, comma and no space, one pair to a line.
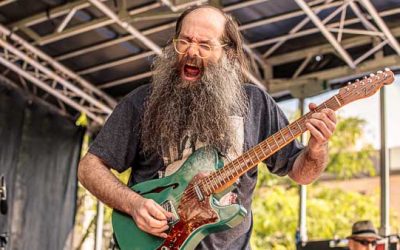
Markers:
366,87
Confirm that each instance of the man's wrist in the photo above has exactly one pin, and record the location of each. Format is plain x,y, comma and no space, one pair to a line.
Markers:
317,151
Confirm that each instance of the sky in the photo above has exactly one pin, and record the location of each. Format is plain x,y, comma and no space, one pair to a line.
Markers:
367,109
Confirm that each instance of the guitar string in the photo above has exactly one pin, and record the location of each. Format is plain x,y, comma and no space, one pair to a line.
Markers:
191,193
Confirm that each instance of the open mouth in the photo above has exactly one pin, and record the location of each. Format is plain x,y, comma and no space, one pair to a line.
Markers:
191,71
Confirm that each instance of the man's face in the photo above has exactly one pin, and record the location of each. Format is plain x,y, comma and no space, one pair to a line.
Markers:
362,243
203,26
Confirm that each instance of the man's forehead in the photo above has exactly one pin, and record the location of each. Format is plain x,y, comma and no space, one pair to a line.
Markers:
205,19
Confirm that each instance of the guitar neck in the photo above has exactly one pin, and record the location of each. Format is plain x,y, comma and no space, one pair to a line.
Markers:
227,175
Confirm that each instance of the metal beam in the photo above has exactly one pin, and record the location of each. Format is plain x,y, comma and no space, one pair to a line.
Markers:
94,24
115,63
330,75
270,20
154,47
112,42
52,13
382,25
34,65
315,19
316,30
78,52
323,49
125,25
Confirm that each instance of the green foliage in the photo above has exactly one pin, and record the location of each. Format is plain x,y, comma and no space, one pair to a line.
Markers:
346,160
330,212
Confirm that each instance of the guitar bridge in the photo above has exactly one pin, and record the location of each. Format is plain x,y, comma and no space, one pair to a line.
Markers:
169,206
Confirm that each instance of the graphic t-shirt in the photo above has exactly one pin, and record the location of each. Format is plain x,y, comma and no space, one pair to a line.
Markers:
118,145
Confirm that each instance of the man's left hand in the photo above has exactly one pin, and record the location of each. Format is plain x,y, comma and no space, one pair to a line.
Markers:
322,124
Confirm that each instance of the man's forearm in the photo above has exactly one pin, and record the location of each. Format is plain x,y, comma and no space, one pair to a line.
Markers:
309,165
99,180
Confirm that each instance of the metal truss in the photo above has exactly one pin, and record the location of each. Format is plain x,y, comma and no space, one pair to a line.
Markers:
375,32
44,72
380,35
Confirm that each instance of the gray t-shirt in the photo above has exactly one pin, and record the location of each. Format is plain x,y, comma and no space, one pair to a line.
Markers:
119,147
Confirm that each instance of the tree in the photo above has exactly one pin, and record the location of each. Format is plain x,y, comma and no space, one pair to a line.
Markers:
330,212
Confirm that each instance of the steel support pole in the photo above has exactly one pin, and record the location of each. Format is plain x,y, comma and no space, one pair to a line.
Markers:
302,193
384,229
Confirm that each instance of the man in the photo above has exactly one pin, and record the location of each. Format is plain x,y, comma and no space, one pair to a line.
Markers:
363,236
197,97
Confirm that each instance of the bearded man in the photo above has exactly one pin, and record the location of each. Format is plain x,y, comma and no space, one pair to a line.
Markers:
197,97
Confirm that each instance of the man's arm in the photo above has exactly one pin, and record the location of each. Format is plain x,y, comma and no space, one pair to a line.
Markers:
101,182
309,165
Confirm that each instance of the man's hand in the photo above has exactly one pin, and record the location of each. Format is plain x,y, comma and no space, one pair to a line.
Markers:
150,216
321,125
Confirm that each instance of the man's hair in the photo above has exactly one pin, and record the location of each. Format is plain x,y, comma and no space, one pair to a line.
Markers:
231,36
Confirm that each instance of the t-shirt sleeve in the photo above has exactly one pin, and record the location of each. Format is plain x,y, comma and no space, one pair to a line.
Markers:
271,120
117,141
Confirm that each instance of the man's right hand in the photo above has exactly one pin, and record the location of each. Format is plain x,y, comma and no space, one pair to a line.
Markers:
150,216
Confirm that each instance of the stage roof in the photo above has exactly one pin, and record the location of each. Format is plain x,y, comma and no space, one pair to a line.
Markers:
83,56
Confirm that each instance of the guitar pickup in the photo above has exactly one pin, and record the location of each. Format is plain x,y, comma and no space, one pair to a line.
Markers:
169,206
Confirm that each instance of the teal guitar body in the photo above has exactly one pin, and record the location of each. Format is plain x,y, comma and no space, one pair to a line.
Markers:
197,213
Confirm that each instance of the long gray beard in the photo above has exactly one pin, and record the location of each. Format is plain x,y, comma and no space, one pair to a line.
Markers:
176,108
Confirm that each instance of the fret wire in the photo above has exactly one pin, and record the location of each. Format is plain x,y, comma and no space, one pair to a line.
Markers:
283,137
291,132
270,149
258,152
250,158
255,153
262,149
273,137
242,163
299,126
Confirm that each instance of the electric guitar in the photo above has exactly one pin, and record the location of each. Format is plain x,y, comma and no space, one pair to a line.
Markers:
194,197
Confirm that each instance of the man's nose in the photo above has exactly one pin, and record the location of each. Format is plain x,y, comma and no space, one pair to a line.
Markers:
193,50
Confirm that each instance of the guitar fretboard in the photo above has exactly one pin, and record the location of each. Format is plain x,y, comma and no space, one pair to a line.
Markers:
236,168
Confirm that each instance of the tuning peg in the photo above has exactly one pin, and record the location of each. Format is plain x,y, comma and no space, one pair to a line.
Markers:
348,83
365,77
372,75
387,69
357,80
379,72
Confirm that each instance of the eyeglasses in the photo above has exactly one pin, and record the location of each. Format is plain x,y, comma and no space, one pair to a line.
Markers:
181,46
366,242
